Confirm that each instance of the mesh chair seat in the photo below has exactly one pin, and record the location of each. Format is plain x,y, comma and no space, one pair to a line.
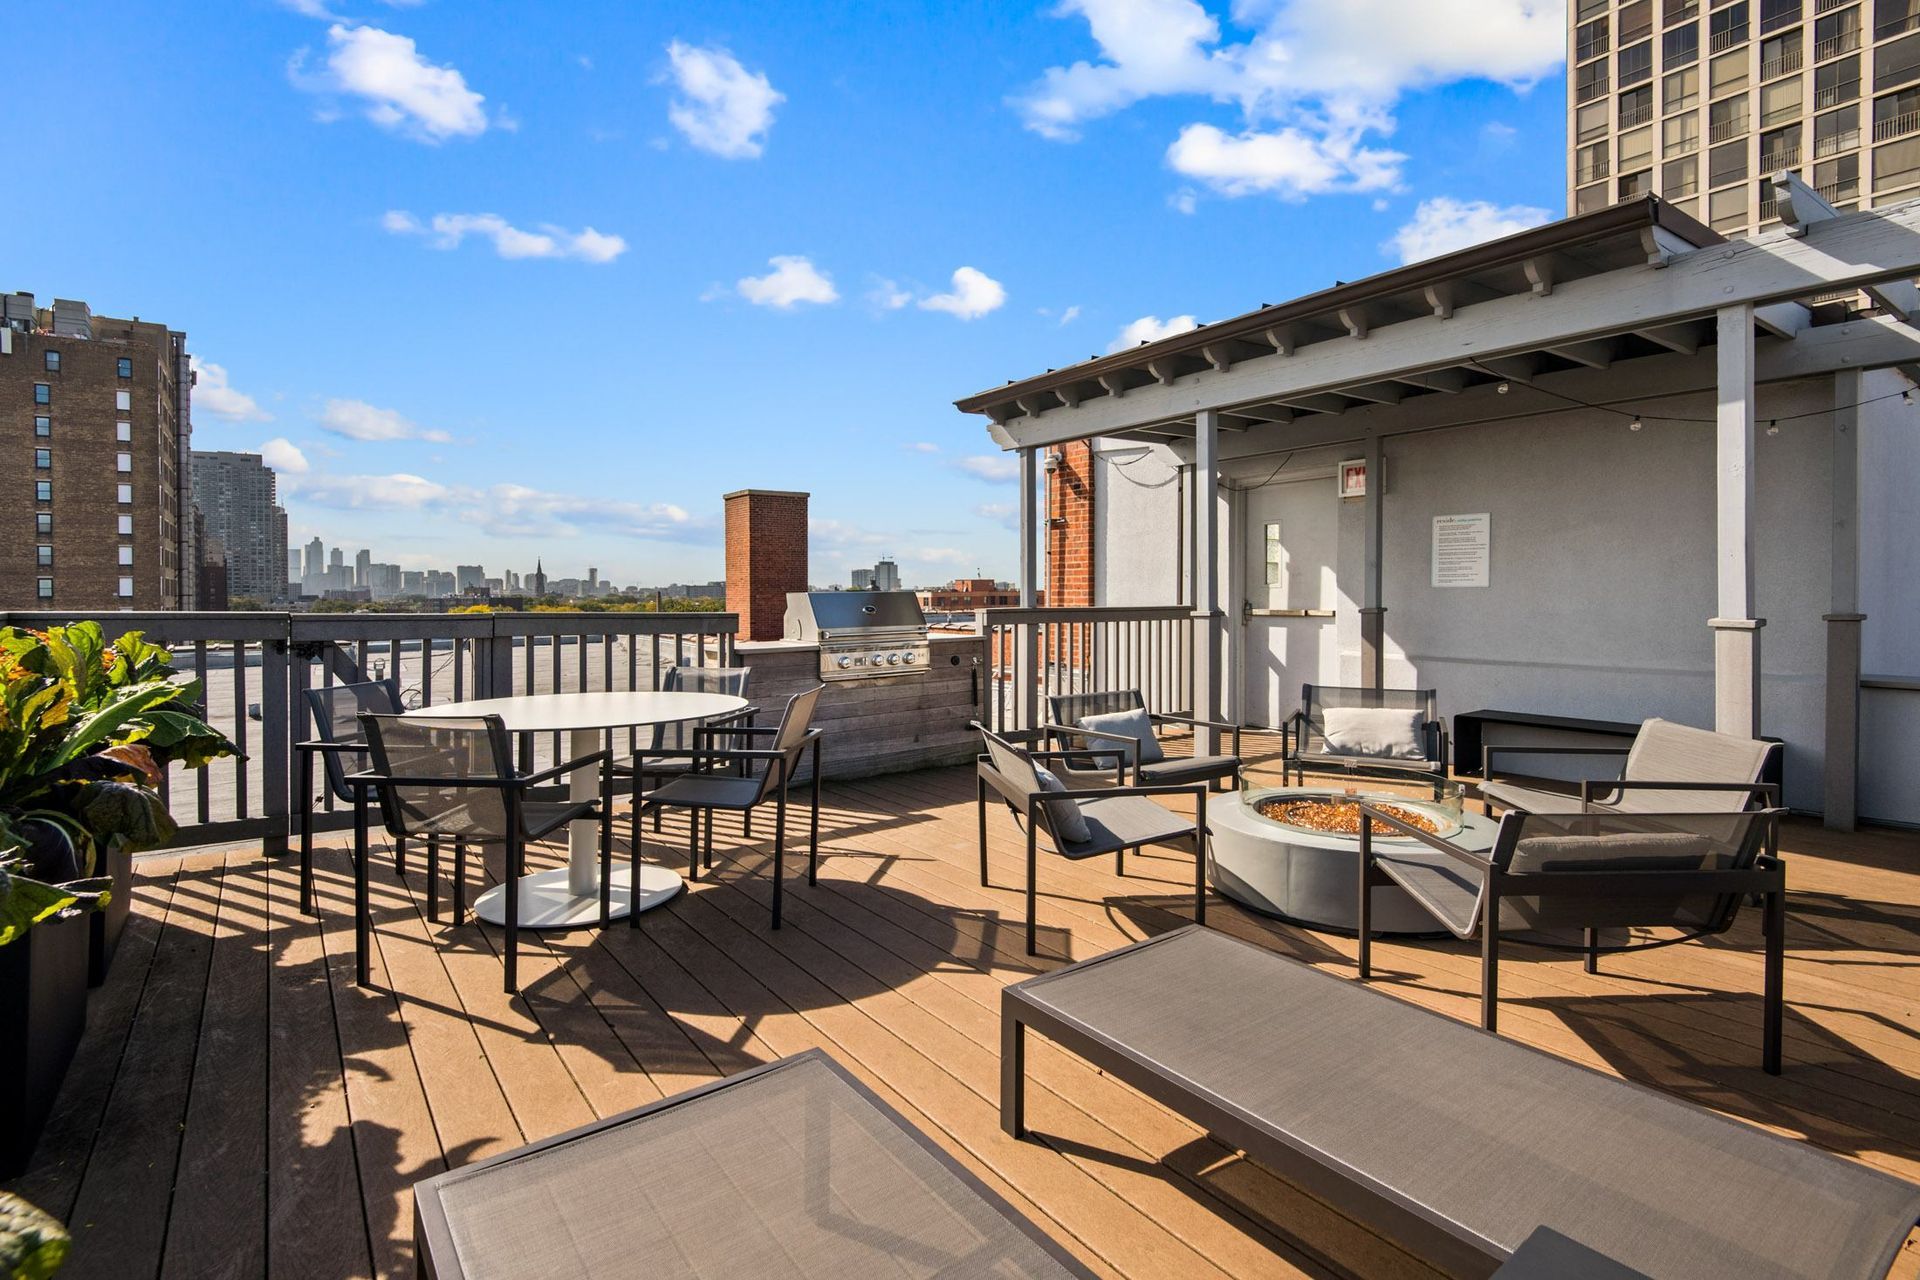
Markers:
709,791
1530,799
539,818
1121,822
1449,890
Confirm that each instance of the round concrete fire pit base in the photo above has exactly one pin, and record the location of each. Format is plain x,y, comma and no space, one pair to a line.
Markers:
1311,878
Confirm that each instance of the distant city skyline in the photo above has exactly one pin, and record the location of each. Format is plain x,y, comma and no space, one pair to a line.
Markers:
523,287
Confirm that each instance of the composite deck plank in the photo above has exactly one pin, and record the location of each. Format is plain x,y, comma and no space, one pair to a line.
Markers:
894,963
219,1225
126,1196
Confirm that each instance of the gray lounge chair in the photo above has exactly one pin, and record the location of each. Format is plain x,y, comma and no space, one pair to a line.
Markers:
792,1169
1454,1144
1596,882
1117,818
1318,735
1670,768
1069,712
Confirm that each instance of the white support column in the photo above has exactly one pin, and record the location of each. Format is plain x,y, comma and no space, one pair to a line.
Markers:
1026,656
1840,778
1736,632
1373,613
1209,680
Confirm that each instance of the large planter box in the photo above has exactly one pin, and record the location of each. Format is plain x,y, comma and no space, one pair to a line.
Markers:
43,1010
107,924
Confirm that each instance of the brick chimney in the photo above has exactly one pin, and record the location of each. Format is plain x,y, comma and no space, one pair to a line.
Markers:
1070,527
766,558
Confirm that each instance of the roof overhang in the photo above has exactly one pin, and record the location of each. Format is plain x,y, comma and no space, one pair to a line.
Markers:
1634,281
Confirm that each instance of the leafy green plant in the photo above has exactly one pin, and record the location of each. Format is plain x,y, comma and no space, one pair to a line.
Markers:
33,1244
87,731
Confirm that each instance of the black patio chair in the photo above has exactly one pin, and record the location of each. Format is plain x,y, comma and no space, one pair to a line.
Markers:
1146,761
453,777
1346,728
668,747
1085,822
342,749
739,779
1597,882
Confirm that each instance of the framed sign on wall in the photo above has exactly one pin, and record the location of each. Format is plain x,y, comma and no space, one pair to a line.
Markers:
1462,550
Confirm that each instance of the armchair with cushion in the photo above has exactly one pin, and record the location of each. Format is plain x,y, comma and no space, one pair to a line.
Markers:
1120,720
1340,727
1670,768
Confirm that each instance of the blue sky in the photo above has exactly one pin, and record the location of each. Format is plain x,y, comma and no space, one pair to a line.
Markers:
490,281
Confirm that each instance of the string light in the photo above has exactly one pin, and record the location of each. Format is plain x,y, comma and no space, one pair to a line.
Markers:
1773,427
1634,425
1503,388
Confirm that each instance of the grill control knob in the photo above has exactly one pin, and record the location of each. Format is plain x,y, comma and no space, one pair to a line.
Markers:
845,661
909,657
893,659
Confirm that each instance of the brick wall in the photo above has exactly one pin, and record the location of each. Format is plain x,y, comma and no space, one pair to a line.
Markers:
1070,527
766,558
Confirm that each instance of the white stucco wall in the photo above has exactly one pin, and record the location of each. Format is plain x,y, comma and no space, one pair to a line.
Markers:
1602,575
1139,525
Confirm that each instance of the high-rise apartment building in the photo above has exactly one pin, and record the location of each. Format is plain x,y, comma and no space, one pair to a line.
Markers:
238,494
362,565
95,430
469,578
1701,102
313,579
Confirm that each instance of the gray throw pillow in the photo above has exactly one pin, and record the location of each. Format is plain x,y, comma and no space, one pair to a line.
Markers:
1126,724
1068,823
1382,732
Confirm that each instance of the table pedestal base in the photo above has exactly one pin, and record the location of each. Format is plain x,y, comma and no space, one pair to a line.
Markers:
547,903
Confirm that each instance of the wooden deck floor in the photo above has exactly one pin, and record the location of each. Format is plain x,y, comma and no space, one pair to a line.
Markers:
240,1108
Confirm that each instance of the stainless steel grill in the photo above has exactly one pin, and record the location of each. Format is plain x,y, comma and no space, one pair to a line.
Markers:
861,634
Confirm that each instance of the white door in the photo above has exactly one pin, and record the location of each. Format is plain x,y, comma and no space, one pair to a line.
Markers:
1290,586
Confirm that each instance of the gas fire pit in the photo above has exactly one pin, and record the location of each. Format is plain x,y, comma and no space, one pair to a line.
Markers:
1290,853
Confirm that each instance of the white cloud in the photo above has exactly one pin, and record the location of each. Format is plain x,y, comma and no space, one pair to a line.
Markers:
396,492
283,456
1309,79
213,393
502,510
1443,224
995,468
793,280
310,9
358,420
888,296
509,241
1070,314
1004,514
1151,329
401,90
922,446
722,108
974,294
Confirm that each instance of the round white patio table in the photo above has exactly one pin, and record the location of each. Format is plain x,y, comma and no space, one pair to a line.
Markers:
569,897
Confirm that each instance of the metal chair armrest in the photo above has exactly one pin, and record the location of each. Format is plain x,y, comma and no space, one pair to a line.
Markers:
565,766
336,748
1477,860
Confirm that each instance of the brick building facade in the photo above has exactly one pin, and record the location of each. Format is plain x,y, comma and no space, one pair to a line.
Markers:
1070,526
95,424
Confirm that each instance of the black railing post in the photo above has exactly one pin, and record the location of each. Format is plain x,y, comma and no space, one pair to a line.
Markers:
278,723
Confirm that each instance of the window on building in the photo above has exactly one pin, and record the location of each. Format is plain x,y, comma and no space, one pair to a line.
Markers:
1836,131
1636,106
42,425
1634,184
1727,163
1680,90
1775,14
1590,81
1680,177
126,556
1727,27
1636,148
1780,149
1636,20
1728,73
1587,199
1727,209
52,361
1781,101
123,400
43,459
1835,34
123,462
1897,63
1672,11
1838,181
1589,8
123,432
1780,55
43,555
124,494
1680,134
1590,162
1837,82
1891,17
1635,64
124,367
45,589
43,491
42,393
1590,122
1680,45
1590,40
126,526
126,588
1897,164
43,522
1895,114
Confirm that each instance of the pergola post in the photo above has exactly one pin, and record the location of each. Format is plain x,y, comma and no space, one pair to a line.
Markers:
1736,632
1373,614
1208,659
1027,656
1840,779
